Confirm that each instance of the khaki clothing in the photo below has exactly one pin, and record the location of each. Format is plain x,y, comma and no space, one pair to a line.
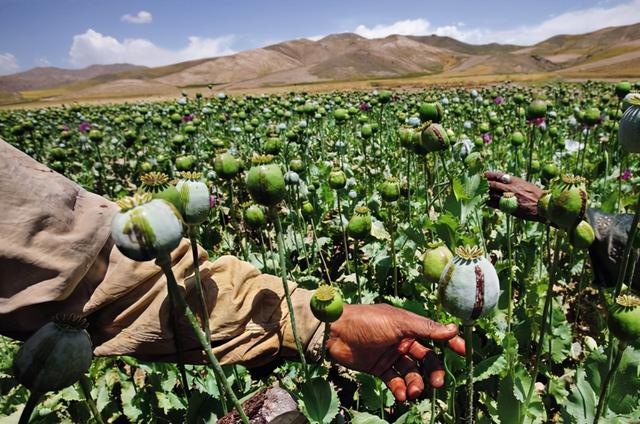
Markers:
56,255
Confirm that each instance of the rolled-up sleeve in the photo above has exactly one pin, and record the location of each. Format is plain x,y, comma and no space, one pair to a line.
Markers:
57,256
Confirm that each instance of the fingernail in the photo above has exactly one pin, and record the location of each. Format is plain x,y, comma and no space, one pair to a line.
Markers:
452,327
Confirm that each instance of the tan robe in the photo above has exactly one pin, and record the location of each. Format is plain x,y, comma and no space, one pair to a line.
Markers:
56,255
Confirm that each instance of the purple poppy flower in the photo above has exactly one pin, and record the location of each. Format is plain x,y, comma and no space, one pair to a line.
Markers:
212,201
65,128
486,137
187,118
364,106
84,127
498,100
626,175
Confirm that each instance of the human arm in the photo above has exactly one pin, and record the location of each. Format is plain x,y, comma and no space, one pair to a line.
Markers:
61,259
611,230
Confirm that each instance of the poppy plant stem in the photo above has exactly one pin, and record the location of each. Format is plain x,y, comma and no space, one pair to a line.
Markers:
546,309
607,379
204,310
285,284
468,348
164,262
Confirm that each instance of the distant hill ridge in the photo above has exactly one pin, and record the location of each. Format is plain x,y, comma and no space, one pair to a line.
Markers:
613,52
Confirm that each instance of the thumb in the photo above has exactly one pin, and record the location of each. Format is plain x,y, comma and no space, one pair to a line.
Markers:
425,328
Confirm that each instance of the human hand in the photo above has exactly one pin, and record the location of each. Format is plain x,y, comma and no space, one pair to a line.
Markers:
382,340
526,193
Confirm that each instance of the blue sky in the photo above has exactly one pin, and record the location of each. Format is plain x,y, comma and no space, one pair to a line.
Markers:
77,33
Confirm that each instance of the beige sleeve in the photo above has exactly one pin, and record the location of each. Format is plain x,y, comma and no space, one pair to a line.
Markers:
56,255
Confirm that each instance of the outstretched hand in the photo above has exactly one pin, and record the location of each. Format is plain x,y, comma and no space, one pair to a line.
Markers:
382,340
526,193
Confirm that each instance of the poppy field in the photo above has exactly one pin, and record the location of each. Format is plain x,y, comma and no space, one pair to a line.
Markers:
370,197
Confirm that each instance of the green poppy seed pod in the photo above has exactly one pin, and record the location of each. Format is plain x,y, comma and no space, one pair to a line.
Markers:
266,184
55,356
226,166
517,138
179,140
568,202
195,197
474,162
535,166
622,89
536,109
326,304
95,135
58,153
624,318
390,190
543,204
145,227
158,185
629,132
337,179
366,131
434,138
591,116
469,286
434,261
340,115
185,163
582,235
307,209
272,146
549,171
384,96
431,112
406,137
254,217
296,165
359,226
508,203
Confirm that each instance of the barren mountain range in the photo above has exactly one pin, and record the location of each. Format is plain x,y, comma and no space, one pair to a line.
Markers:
607,53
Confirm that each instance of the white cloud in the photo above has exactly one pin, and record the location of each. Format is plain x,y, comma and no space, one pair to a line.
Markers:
143,17
8,64
406,27
572,22
94,48
43,61
316,37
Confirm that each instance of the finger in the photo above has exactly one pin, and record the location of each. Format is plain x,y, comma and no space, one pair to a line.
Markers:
415,384
418,352
396,384
421,327
413,380
405,345
433,368
493,175
499,187
457,345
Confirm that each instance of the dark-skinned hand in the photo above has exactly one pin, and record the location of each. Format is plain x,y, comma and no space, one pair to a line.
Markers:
526,193
382,340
